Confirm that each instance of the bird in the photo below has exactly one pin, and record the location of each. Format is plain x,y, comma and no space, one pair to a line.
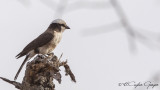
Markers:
45,43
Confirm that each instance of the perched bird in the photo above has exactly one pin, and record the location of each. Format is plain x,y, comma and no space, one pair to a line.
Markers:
44,43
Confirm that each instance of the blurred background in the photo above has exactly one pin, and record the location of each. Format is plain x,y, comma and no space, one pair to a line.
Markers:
110,41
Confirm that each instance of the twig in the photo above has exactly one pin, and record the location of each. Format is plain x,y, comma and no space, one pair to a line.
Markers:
69,72
60,56
131,32
84,4
16,84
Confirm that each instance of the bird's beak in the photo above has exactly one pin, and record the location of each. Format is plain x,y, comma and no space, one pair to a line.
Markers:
67,27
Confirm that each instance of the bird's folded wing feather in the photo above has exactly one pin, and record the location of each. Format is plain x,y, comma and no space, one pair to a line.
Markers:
43,39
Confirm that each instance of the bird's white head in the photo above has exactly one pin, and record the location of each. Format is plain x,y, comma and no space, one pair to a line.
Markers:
61,23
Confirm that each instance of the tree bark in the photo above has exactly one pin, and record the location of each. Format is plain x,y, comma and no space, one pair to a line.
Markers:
41,72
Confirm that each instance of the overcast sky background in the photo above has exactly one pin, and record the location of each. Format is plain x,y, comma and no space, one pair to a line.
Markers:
99,60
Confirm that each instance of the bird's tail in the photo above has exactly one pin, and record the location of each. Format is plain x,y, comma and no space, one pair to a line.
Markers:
25,60
20,54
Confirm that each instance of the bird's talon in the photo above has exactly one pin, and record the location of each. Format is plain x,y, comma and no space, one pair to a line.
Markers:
42,56
50,54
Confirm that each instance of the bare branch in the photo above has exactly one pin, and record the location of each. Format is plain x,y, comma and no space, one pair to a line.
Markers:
60,56
40,73
88,5
50,3
60,8
16,84
69,72
101,29
25,2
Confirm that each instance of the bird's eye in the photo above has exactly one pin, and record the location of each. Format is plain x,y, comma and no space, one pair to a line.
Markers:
62,25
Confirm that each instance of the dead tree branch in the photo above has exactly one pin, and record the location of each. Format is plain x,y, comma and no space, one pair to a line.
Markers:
16,84
133,34
41,72
131,31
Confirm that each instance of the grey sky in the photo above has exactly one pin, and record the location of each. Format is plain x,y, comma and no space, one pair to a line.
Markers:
99,61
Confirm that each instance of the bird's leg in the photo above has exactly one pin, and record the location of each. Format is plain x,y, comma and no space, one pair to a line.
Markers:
42,56
50,54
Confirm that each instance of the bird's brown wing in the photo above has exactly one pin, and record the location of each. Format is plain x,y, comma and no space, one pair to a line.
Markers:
43,39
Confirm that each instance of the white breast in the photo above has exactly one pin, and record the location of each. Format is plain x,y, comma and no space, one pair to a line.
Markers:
57,38
48,48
